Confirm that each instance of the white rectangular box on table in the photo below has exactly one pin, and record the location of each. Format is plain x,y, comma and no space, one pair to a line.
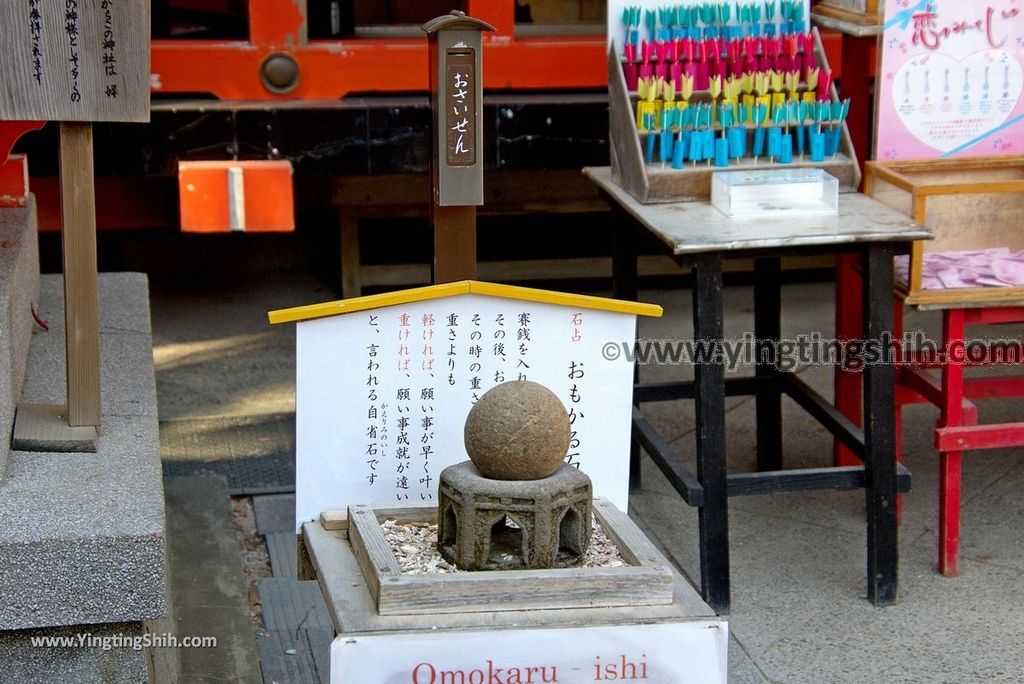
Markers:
775,192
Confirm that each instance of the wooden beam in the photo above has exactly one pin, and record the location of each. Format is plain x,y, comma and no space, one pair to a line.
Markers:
81,289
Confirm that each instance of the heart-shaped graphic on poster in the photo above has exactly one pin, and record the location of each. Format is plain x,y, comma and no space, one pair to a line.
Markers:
946,102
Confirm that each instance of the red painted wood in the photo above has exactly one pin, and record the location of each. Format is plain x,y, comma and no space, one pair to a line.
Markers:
14,168
858,57
14,181
277,23
949,461
923,386
330,69
849,313
204,200
994,315
972,437
128,203
949,513
906,394
10,131
897,334
923,361
994,388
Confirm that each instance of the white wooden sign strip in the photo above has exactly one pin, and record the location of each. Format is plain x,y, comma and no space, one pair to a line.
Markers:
666,653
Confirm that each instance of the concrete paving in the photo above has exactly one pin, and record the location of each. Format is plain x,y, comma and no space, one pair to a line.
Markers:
798,560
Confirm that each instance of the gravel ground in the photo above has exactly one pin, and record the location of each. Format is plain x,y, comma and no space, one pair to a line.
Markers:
255,559
415,547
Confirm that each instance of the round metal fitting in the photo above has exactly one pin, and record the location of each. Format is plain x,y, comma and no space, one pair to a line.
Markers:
279,72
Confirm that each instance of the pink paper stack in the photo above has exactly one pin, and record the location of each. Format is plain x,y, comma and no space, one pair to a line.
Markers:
995,267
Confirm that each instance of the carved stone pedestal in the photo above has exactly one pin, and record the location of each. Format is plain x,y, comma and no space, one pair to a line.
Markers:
486,524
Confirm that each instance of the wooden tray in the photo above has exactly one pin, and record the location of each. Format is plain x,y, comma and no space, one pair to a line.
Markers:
657,182
646,579
973,203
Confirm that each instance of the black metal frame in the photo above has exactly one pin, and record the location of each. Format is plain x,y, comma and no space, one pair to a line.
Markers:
709,488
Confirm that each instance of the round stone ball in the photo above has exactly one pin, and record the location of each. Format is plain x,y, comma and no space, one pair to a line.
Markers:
517,431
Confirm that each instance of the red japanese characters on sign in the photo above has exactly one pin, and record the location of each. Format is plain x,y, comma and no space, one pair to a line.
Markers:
929,32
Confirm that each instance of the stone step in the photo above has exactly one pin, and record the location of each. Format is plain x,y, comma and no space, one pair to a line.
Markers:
82,535
19,292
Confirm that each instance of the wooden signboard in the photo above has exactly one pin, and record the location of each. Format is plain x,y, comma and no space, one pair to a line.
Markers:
75,60
950,80
384,384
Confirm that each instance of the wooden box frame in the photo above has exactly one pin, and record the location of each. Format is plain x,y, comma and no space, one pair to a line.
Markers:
873,13
654,183
645,580
970,203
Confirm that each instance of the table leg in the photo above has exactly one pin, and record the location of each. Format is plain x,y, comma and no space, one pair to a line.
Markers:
949,461
624,260
767,331
624,286
849,314
879,425
709,385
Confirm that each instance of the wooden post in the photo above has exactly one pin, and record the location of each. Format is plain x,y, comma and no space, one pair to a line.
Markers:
454,244
81,290
457,162
74,67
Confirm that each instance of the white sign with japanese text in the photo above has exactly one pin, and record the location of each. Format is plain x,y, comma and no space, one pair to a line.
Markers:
383,394
666,653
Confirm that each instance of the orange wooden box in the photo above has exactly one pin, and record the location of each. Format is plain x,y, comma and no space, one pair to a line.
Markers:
236,196
974,203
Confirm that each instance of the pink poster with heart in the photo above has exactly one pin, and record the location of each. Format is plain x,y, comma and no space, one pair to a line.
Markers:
951,79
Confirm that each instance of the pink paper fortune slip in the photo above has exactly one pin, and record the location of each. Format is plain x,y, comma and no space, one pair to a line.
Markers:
995,267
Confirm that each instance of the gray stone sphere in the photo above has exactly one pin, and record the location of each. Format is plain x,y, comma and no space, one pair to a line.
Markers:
517,431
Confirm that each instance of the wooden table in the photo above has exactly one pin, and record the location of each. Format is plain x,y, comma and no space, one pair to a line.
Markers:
701,237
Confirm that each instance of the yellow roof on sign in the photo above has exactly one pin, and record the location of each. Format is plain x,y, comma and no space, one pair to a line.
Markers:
419,294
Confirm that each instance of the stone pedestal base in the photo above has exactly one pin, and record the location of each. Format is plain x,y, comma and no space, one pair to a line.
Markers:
488,524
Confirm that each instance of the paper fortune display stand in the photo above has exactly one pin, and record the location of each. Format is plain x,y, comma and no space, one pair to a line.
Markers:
383,387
